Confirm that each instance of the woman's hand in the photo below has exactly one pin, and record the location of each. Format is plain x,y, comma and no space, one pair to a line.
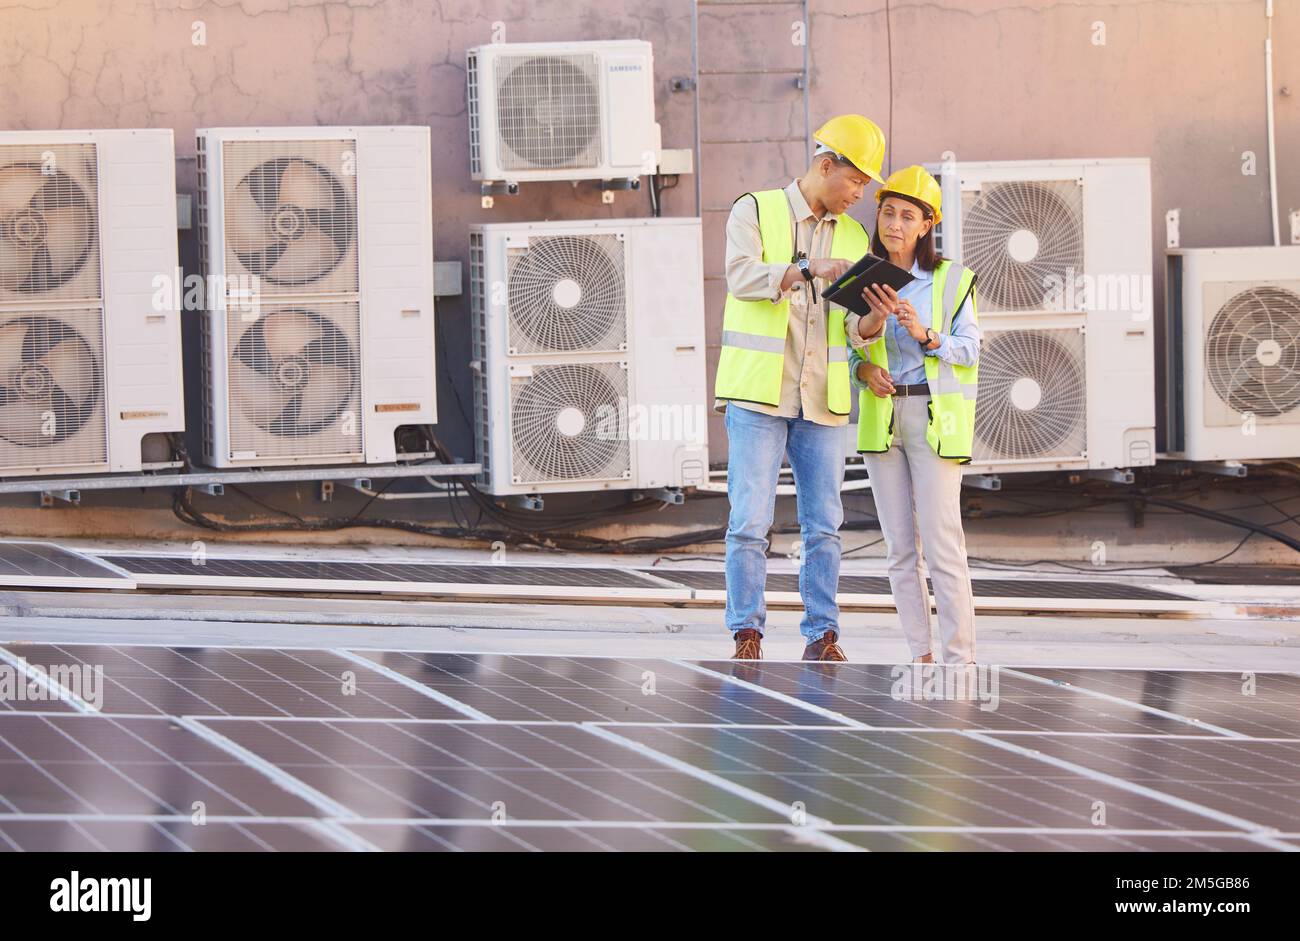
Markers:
877,379
911,321
884,301
879,301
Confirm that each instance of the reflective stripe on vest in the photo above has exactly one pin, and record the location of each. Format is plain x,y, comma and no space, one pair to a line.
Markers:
953,389
752,361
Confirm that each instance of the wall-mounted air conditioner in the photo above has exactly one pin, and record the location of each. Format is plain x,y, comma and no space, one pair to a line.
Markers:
90,341
1062,250
1233,319
589,355
317,244
562,111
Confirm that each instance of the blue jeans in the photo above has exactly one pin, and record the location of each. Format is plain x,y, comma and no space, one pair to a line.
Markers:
756,444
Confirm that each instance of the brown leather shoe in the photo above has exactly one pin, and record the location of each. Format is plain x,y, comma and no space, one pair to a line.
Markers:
749,645
825,648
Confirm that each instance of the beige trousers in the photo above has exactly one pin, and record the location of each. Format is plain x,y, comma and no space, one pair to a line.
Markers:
918,503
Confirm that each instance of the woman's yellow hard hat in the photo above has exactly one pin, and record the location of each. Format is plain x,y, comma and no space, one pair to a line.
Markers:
856,138
915,182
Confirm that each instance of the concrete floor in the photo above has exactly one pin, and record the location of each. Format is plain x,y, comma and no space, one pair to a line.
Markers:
570,630
1247,627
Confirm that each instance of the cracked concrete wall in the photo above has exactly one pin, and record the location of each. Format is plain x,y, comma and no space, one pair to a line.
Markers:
1179,81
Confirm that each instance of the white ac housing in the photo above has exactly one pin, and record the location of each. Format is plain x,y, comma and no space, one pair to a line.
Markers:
1062,251
90,340
318,335
589,355
562,111
1233,317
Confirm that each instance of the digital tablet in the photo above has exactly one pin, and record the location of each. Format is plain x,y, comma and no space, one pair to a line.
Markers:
869,269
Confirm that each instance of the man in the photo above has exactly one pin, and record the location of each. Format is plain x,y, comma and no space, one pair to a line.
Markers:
783,377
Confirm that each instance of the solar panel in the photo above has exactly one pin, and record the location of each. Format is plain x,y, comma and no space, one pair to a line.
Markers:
1255,703
83,835
909,779
42,565
439,751
425,577
88,764
505,838
982,841
1256,781
197,681
592,689
476,770
902,696
427,572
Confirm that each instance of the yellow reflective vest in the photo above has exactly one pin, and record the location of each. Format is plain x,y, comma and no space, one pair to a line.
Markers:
753,332
953,389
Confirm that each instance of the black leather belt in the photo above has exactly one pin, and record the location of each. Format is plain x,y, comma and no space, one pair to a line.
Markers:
916,388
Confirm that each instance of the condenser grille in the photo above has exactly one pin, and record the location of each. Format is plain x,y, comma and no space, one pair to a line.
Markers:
291,217
52,388
49,245
475,144
201,174
568,422
1252,352
295,381
548,111
568,294
479,352
1025,238
1033,397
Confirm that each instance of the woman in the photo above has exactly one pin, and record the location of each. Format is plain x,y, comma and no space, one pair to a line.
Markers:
917,386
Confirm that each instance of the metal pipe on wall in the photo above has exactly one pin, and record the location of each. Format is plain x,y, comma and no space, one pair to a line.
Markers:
1272,137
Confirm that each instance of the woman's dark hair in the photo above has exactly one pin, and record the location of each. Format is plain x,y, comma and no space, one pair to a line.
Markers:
926,257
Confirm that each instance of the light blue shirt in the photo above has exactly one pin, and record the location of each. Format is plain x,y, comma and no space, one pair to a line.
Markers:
960,346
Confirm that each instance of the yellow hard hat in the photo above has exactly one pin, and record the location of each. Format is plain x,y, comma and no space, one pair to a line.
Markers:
857,139
917,183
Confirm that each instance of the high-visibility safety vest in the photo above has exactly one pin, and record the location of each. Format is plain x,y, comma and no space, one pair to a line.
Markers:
753,332
951,429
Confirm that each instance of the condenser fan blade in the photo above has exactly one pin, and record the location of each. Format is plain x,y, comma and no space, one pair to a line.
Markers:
11,349
21,420
18,184
307,187
42,336
286,423
247,223
329,350
47,371
263,183
287,332
325,397
15,263
296,221
68,234
72,368
260,398
69,414
305,259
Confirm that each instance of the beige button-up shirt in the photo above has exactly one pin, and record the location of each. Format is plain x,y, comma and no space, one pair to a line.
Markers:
749,278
